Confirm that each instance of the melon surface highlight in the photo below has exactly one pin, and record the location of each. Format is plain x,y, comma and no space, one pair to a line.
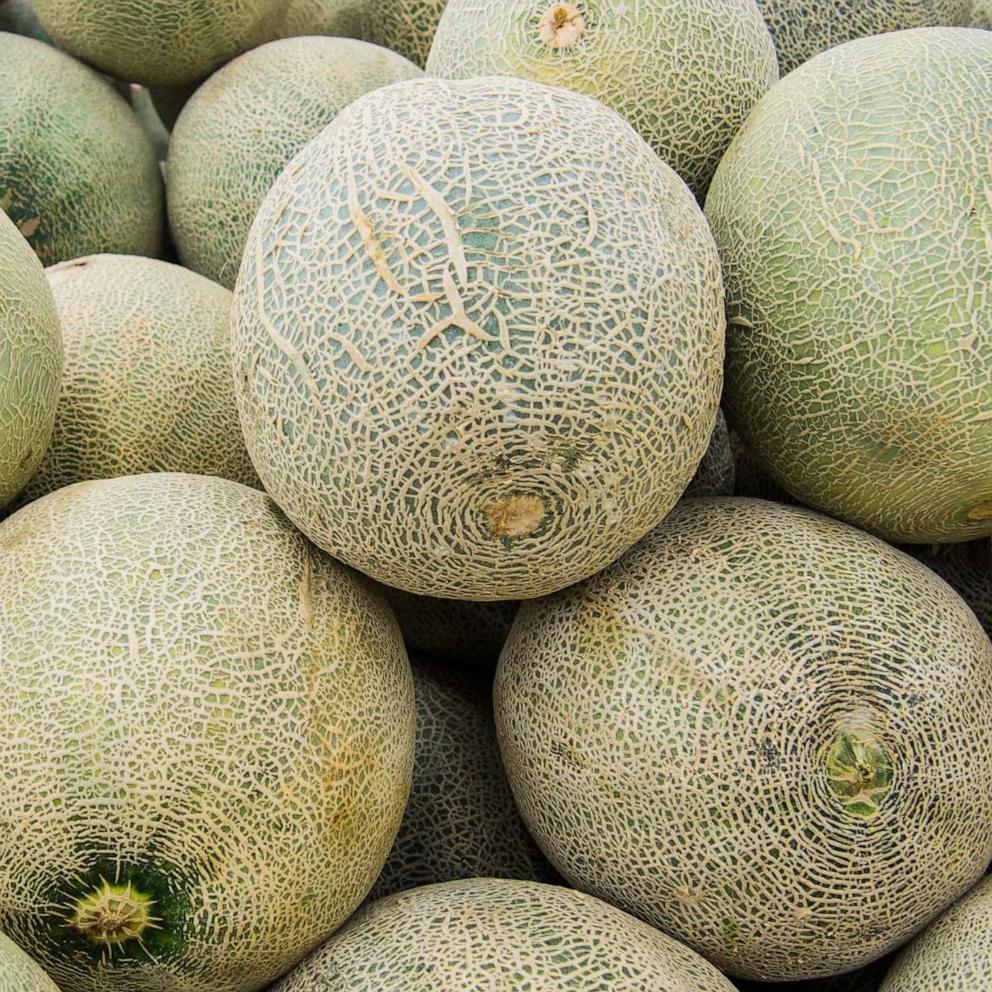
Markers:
491,935
405,26
754,718
147,385
219,740
19,973
244,124
854,223
477,339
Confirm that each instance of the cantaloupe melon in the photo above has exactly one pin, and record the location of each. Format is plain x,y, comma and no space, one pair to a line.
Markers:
460,821
333,18
147,384
685,73
18,973
981,14
802,28
477,337
968,569
211,730
762,731
244,124
77,174
717,471
866,979
854,225
18,17
30,361
171,42
493,935
405,26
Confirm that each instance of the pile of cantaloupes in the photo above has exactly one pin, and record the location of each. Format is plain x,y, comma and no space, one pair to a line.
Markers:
496,495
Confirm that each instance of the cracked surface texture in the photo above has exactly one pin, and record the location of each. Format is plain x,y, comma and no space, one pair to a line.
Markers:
762,731
405,26
77,174
981,14
30,361
478,334
147,384
684,74
18,973
336,18
716,472
242,126
491,935
854,219
198,706
968,568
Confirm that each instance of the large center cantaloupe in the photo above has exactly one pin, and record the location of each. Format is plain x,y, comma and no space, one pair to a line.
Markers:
477,337
214,730
18,973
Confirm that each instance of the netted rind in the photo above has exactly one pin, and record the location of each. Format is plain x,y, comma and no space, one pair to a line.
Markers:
200,705
717,471
477,337
406,26
981,14
968,569
762,731
492,935
866,979
332,18
19,973
684,74
858,291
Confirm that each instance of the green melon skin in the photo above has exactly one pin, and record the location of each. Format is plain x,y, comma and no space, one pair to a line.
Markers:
717,471
77,174
30,361
494,935
147,384
478,336
170,42
18,17
803,28
206,709
981,14
684,73
751,720
405,26
854,226
18,973
968,569
244,124
333,18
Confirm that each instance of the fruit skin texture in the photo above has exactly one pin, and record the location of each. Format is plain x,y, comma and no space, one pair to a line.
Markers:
227,721
30,361
717,471
967,568
684,74
18,973
490,935
244,124
335,18
787,712
406,26
858,297
171,42
981,14
68,203
471,360
147,385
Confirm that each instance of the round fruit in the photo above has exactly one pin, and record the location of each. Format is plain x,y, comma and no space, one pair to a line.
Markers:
477,337
18,973
716,472
334,18
214,736
173,42
244,124
968,569
406,26
147,384
30,361
684,74
754,718
854,224
489,935
77,174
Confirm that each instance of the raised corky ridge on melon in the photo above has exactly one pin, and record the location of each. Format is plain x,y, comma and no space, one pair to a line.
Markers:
854,223
77,174
30,361
477,337
334,18
244,124
171,42
147,384
19,973
763,731
492,935
967,568
685,73
214,728
405,26
717,471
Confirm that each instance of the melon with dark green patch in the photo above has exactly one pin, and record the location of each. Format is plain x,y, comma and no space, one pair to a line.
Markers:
19,973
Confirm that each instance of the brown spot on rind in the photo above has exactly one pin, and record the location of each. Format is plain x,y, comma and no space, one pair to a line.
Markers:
977,514
516,516
561,25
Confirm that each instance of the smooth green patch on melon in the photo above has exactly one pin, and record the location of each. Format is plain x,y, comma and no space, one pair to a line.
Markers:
331,18
854,224
405,26
214,727
750,720
18,972
244,124
684,73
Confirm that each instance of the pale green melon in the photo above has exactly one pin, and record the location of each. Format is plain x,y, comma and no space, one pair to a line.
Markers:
171,42
497,935
981,14
405,26
968,568
754,718
18,17
854,225
478,333
717,471
30,361
147,385
77,174
334,18
18,973
684,73
244,124
214,729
